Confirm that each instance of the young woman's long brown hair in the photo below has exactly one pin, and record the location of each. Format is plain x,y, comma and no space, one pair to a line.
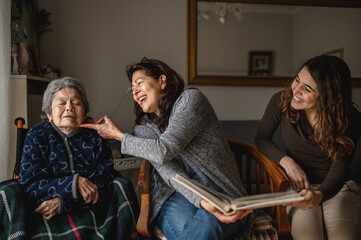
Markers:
333,103
174,87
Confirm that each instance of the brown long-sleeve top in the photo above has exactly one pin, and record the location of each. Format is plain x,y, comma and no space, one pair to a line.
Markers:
300,145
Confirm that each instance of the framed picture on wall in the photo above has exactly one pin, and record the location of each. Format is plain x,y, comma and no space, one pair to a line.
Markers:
337,53
260,63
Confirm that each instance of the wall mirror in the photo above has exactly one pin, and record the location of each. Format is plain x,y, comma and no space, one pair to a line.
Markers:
264,42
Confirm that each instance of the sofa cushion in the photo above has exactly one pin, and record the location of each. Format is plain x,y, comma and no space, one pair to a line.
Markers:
245,131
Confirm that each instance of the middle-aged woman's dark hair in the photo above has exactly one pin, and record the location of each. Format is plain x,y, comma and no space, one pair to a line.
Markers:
169,94
333,104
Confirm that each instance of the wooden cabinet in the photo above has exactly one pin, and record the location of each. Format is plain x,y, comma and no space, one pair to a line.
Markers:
25,101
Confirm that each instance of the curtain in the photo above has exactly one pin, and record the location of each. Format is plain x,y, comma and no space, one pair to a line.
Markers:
5,65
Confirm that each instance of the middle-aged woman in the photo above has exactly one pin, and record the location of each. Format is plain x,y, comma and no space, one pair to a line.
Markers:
178,132
68,171
320,128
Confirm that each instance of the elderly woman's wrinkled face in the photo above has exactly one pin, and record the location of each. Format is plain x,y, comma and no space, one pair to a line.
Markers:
67,109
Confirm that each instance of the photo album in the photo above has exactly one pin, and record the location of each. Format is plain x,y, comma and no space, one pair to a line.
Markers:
229,205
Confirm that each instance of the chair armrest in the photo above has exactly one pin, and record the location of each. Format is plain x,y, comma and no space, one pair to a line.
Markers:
144,183
277,177
281,183
274,171
145,177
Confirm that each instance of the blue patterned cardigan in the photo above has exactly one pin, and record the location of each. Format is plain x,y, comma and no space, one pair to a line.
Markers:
52,161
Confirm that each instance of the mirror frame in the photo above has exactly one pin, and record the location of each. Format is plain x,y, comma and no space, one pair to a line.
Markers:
193,78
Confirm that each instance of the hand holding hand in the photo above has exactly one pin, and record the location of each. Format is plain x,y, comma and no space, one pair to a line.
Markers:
49,208
88,190
221,216
105,128
295,173
312,199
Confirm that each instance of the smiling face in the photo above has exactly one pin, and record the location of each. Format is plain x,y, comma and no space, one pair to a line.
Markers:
147,91
304,89
67,109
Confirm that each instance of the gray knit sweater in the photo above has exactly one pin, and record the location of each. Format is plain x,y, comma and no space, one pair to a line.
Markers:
195,136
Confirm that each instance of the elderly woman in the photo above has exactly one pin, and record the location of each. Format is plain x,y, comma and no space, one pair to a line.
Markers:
68,171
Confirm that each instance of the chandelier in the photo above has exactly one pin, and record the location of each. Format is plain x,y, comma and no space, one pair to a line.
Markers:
223,11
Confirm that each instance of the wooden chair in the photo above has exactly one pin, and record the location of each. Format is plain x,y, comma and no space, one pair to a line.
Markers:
259,174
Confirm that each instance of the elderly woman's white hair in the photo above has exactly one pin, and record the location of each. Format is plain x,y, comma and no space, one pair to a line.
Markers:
55,86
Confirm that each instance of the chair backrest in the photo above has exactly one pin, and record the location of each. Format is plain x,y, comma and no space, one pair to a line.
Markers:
20,138
260,174
253,168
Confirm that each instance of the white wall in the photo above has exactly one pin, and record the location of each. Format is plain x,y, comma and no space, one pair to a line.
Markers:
4,86
321,32
94,40
327,29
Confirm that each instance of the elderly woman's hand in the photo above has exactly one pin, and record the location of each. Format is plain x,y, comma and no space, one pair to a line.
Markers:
221,216
105,128
49,208
88,190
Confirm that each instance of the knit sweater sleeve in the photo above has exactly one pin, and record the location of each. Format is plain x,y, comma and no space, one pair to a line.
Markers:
168,169
187,120
268,125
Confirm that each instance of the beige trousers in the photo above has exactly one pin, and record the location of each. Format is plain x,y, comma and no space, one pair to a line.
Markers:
337,218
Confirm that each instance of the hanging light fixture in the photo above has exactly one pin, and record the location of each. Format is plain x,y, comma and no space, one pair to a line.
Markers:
222,11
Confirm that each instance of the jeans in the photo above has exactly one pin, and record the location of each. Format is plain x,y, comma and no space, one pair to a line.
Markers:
180,219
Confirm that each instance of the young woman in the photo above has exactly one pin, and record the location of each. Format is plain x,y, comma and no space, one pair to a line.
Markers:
178,132
320,128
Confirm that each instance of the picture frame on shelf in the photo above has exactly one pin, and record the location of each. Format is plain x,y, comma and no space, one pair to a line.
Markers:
34,64
337,53
260,63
